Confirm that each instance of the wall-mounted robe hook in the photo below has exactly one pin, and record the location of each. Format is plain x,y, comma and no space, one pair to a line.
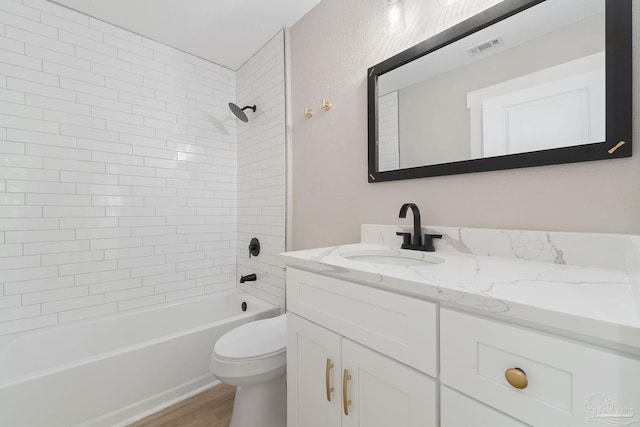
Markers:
308,112
326,104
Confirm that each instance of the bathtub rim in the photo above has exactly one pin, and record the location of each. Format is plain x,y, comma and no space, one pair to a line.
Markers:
260,306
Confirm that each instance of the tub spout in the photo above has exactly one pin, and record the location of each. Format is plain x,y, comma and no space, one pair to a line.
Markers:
248,278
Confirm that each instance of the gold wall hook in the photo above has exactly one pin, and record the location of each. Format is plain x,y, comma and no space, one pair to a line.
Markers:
326,104
308,112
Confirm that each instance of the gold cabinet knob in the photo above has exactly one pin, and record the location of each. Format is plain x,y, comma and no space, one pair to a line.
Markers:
517,378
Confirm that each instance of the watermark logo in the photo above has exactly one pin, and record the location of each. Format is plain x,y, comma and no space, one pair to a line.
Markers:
609,412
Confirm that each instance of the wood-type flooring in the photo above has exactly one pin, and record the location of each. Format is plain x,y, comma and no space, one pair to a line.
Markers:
211,408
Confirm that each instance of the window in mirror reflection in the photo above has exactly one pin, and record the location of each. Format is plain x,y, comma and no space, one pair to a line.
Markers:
488,94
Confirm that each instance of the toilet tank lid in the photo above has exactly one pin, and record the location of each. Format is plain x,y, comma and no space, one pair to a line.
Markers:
254,339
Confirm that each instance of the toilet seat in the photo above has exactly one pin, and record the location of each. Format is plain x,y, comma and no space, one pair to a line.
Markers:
252,353
253,340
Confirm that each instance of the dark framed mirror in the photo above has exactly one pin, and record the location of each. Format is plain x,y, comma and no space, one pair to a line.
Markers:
523,83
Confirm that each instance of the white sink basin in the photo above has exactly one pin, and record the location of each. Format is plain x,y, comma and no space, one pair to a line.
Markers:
392,257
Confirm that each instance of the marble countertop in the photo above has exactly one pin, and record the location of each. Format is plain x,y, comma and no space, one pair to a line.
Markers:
594,304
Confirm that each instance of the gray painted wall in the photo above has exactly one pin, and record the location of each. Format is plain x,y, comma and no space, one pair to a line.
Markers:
331,49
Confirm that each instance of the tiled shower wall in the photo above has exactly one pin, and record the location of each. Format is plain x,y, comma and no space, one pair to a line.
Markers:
262,170
117,169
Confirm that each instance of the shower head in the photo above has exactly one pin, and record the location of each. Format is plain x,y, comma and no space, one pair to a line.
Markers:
239,112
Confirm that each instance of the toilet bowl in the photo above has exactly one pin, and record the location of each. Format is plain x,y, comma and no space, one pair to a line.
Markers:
253,357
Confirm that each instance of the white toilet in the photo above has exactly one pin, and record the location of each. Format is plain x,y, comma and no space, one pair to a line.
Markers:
253,357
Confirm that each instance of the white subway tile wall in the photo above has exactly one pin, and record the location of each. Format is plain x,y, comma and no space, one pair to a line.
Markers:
119,170
262,170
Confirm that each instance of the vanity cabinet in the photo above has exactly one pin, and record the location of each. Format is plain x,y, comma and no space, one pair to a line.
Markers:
333,381
358,356
379,350
458,410
563,382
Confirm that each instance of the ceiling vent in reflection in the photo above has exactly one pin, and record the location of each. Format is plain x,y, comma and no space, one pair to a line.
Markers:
484,46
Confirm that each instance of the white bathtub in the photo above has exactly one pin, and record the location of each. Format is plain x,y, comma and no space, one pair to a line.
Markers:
114,370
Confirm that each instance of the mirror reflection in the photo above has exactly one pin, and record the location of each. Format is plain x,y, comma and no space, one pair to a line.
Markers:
531,82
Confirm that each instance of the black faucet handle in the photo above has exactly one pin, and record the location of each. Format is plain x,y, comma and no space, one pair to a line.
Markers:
254,247
406,238
428,241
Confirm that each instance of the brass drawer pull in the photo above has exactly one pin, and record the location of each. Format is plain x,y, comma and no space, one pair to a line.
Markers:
517,378
345,401
328,379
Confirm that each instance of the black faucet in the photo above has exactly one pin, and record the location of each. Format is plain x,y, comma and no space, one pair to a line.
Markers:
416,242
248,278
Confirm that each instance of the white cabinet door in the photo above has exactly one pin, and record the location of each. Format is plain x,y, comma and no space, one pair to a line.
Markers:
458,410
384,392
569,384
309,347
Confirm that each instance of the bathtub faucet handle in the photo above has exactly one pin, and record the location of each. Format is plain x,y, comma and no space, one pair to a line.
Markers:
254,247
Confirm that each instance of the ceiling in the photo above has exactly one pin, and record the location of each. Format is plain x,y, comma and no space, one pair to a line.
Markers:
227,32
